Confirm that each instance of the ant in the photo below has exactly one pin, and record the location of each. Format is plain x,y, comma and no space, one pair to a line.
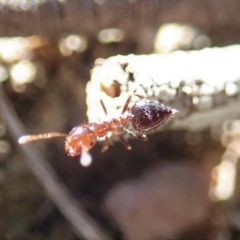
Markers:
144,116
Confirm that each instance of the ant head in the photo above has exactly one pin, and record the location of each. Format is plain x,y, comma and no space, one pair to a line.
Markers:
80,139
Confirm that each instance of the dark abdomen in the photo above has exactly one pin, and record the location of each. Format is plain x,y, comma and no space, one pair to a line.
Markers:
149,115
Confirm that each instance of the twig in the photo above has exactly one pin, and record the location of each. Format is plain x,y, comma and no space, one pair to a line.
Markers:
204,86
83,225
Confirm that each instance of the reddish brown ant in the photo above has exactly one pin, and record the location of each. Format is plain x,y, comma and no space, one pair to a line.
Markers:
144,116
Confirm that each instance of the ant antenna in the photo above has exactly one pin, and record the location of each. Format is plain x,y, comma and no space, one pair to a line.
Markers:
30,138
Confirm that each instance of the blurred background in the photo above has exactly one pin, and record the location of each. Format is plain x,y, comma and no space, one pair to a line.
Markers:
179,185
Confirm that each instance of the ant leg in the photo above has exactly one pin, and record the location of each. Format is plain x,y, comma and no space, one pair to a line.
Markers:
105,145
124,142
137,95
140,96
128,101
103,106
140,136
126,105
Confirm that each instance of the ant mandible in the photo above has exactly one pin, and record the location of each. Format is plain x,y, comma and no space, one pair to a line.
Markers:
144,116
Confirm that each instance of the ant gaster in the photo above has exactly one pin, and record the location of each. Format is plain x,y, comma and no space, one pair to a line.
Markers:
144,116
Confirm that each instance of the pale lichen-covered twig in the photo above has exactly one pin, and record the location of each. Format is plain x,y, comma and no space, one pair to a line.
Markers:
83,225
204,86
